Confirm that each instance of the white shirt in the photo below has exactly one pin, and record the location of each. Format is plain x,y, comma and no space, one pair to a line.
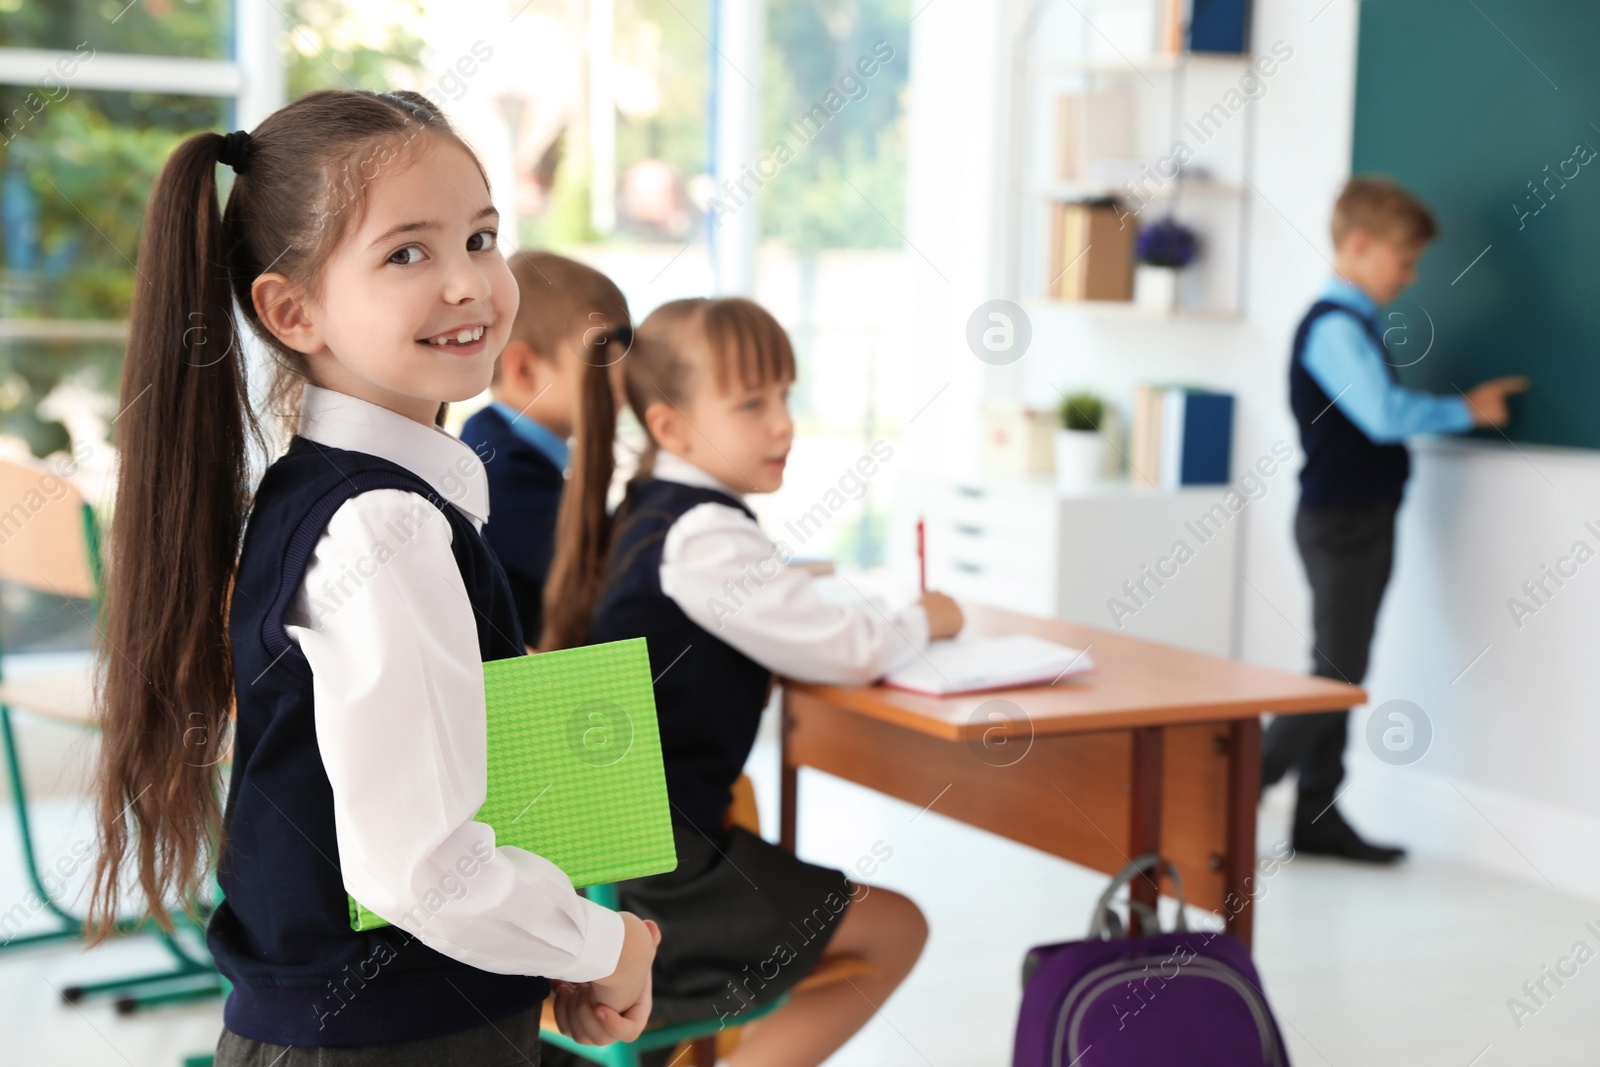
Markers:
384,620
729,578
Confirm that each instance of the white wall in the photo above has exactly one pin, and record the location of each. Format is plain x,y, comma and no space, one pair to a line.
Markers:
955,98
1507,782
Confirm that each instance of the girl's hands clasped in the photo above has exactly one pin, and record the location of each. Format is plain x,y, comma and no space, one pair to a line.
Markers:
587,1012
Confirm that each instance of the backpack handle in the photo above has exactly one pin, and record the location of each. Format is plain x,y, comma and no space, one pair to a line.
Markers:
1106,925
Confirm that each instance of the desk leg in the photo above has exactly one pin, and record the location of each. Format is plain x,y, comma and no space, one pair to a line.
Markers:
1145,813
1244,795
788,777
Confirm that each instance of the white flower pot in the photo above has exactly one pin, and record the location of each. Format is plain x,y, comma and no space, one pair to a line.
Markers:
1080,459
1155,288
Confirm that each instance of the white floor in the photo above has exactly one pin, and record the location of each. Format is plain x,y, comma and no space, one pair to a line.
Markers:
1412,966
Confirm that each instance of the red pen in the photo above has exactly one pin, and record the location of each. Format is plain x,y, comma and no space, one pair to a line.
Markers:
922,554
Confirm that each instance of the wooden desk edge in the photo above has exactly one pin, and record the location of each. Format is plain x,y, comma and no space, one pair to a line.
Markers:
867,701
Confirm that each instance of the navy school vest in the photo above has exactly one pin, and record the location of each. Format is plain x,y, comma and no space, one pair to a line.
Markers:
709,695
282,933
1344,467
524,498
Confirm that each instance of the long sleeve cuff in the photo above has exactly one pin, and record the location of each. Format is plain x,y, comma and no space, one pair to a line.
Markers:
602,946
1465,421
912,624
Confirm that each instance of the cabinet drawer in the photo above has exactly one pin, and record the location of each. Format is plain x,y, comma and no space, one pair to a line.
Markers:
995,506
1017,548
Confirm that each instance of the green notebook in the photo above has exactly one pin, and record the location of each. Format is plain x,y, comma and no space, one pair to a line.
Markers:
575,771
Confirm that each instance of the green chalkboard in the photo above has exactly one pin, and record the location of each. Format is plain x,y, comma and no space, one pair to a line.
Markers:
1480,107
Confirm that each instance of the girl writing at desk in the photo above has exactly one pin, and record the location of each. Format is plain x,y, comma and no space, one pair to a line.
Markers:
684,565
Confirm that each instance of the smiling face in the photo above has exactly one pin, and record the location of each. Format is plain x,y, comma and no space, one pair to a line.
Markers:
416,300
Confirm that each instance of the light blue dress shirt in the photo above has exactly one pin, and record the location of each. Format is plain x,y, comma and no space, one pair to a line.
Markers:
533,432
1349,367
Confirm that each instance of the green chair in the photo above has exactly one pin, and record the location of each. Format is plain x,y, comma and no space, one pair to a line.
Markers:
700,1033
49,543
709,1038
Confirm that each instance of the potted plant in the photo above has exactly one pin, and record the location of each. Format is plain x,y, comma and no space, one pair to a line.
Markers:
1165,247
1080,444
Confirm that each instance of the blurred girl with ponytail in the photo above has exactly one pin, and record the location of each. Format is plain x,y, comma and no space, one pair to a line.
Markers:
332,645
684,565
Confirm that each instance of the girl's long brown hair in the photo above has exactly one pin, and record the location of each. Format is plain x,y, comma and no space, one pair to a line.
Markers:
743,342
184,436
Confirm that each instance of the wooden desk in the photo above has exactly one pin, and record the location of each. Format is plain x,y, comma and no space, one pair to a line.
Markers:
1158,751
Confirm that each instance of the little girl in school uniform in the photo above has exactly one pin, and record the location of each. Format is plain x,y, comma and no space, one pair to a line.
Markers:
335,643
684,565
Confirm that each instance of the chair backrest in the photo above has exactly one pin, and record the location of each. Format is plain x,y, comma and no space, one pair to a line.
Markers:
743,812
46,531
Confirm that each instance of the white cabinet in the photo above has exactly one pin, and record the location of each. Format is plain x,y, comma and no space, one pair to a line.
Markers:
1157,565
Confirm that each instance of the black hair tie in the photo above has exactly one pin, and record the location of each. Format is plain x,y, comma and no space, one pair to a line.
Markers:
233,149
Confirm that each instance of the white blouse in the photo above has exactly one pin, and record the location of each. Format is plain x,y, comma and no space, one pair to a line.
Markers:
384,620
728,577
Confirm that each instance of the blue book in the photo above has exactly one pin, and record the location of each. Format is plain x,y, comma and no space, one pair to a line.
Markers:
1196,437
1219,26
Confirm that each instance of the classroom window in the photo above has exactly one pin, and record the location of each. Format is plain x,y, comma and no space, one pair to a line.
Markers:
93,96
833,260
194,29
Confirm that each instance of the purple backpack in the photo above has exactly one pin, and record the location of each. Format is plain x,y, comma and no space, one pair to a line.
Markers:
1190,998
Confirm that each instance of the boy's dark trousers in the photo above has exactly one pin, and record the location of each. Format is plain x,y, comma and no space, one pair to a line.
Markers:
1348,553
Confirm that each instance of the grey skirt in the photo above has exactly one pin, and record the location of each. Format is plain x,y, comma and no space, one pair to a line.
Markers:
508,1042
742,921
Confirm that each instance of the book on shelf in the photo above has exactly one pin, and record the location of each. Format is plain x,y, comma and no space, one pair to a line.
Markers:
1221,26
1091,126
1181,436
1172,17
1091,251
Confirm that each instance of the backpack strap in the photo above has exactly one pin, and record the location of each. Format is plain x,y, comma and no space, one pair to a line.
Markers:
1106,925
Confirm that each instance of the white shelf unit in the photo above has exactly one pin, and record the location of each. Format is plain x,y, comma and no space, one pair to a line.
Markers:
1022,546
1042,309
1177,98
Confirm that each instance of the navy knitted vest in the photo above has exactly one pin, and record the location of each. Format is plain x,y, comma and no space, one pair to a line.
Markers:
1344,467
709,695
282,933
524,496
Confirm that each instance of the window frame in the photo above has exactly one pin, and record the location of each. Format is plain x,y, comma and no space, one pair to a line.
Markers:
252,81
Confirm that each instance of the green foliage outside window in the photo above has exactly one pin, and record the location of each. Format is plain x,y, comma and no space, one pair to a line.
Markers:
813,46
77,166
808,200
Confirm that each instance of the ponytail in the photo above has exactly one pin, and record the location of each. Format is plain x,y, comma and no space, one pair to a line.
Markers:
583,528
184,434
182,438
746,344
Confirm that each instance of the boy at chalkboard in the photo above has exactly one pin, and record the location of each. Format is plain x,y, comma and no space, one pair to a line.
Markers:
1354,418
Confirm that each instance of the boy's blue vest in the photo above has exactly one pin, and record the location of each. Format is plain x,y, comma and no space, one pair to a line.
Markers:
1344,467
709,695
524,498
282,933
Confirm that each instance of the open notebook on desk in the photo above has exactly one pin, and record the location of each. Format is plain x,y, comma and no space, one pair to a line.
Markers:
575,772
974,665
